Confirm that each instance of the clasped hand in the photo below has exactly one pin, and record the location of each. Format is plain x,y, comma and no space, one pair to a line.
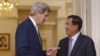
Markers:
51,51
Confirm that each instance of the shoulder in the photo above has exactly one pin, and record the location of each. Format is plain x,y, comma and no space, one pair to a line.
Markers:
64,39
87,38
25,23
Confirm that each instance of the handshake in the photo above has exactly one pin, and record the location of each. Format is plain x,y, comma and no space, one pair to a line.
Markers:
51,51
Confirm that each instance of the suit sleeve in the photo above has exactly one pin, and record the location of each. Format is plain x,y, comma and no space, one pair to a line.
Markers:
58,51
22,42
90,50
44,53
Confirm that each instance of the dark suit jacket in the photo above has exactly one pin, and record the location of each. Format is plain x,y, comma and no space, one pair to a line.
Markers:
27,40
84,46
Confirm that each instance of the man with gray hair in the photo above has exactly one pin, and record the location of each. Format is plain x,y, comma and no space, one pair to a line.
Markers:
28,41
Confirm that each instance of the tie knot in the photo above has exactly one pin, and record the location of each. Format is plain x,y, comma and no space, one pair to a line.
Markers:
70,39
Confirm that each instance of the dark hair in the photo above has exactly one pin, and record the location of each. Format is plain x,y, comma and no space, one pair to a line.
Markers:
76,20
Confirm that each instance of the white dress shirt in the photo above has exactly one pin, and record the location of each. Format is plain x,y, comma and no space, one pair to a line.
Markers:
34,23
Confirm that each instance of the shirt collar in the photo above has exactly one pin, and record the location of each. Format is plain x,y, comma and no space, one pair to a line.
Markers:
33,21
75,36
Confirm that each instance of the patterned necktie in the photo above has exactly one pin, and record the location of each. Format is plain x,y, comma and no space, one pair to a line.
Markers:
70,46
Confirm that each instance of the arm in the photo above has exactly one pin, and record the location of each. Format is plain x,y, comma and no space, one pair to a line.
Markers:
51,51
58,51
44,53
90,50
22,42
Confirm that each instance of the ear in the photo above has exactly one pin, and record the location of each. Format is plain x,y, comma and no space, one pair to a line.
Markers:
76,26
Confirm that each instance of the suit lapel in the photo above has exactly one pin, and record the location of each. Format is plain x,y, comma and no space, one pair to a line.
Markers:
77,45
66,46
34,29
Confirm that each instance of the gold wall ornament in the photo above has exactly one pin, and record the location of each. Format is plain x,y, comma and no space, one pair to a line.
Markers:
6,7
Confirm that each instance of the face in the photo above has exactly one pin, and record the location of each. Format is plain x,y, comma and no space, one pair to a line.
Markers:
70,28
41,18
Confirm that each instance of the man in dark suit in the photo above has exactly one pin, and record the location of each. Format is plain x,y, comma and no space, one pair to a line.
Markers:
76,44
28,41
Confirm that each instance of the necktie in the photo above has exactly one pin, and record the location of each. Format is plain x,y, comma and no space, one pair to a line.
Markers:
38,34
70,46
39,38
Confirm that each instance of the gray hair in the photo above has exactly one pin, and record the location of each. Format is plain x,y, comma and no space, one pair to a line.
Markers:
41,7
